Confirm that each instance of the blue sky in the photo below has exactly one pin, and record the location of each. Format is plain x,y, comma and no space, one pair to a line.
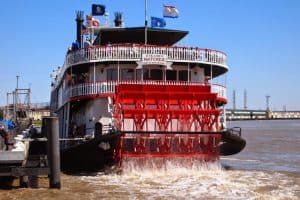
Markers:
260,37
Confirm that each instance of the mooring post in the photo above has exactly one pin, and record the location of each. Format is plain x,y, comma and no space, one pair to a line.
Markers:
24,181
52,132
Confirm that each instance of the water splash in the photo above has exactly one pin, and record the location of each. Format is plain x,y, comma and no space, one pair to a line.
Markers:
181,179
170,166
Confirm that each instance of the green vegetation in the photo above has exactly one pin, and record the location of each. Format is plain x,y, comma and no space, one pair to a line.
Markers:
37,122
1,114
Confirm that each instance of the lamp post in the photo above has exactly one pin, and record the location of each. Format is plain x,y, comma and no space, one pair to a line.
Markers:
268,107
268,102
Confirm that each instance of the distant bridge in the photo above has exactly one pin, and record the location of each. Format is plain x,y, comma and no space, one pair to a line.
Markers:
239,114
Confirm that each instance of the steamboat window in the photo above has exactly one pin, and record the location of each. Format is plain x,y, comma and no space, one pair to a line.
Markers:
156,74
138,74
112,74
153,74
127,74
82,77
171,75
183,75
146,74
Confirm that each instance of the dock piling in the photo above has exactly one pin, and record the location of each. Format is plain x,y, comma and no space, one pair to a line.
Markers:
24,181
52,132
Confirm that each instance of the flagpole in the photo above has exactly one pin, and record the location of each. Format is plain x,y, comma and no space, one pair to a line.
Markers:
146,23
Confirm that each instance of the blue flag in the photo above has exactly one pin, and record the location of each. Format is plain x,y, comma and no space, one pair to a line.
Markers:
157,22
98,9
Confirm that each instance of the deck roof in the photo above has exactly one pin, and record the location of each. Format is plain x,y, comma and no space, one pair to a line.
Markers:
156,36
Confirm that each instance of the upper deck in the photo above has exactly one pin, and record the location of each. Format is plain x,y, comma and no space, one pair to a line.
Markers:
210,59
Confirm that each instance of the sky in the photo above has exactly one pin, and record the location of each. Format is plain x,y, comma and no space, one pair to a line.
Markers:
260,37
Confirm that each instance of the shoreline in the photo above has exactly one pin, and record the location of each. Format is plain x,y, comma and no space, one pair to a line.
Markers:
263,119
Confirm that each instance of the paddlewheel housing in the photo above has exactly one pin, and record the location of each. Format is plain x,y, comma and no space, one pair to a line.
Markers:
167,121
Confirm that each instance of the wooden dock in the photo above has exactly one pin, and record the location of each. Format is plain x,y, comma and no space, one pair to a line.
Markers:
34,156
12,157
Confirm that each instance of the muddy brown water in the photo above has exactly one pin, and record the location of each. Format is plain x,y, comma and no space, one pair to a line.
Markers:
268,168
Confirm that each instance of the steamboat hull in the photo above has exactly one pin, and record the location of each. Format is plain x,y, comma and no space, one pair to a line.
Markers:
101,153
93,155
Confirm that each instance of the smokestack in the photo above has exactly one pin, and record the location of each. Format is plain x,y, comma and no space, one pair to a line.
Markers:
79,22
118,19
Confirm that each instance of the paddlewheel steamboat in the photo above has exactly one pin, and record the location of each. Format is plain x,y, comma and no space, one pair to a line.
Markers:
118,98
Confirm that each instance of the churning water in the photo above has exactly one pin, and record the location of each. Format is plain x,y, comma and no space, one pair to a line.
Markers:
268,168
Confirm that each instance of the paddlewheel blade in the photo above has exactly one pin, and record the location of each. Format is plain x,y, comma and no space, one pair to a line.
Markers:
166,121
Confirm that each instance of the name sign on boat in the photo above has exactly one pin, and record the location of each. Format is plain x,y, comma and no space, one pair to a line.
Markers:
154,59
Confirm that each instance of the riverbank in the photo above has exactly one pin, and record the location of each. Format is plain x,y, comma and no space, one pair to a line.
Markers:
262,119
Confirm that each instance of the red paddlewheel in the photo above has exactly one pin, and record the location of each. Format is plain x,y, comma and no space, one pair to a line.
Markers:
154,145
167,121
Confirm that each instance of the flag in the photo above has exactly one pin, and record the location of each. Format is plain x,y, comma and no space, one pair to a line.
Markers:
84,30
91,21
98,9
170,11
157,22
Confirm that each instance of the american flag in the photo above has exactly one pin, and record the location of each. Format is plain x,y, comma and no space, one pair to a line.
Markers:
84,30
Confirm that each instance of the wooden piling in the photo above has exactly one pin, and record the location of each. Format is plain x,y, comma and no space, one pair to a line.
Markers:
24,181
52,132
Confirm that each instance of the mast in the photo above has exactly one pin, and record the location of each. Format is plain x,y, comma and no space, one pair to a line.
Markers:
16,99
146,23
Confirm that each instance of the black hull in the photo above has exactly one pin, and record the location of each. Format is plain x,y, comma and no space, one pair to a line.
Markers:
88,156
232,142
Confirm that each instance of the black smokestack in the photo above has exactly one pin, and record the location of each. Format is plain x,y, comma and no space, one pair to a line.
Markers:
79,22
118,19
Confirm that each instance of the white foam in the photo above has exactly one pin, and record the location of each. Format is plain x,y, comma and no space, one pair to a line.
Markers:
199,181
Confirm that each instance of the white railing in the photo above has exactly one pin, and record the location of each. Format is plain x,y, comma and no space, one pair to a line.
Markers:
93,88
135,52
220,90
108,87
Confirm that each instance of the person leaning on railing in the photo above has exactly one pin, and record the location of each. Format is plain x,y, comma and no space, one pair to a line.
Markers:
4,134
